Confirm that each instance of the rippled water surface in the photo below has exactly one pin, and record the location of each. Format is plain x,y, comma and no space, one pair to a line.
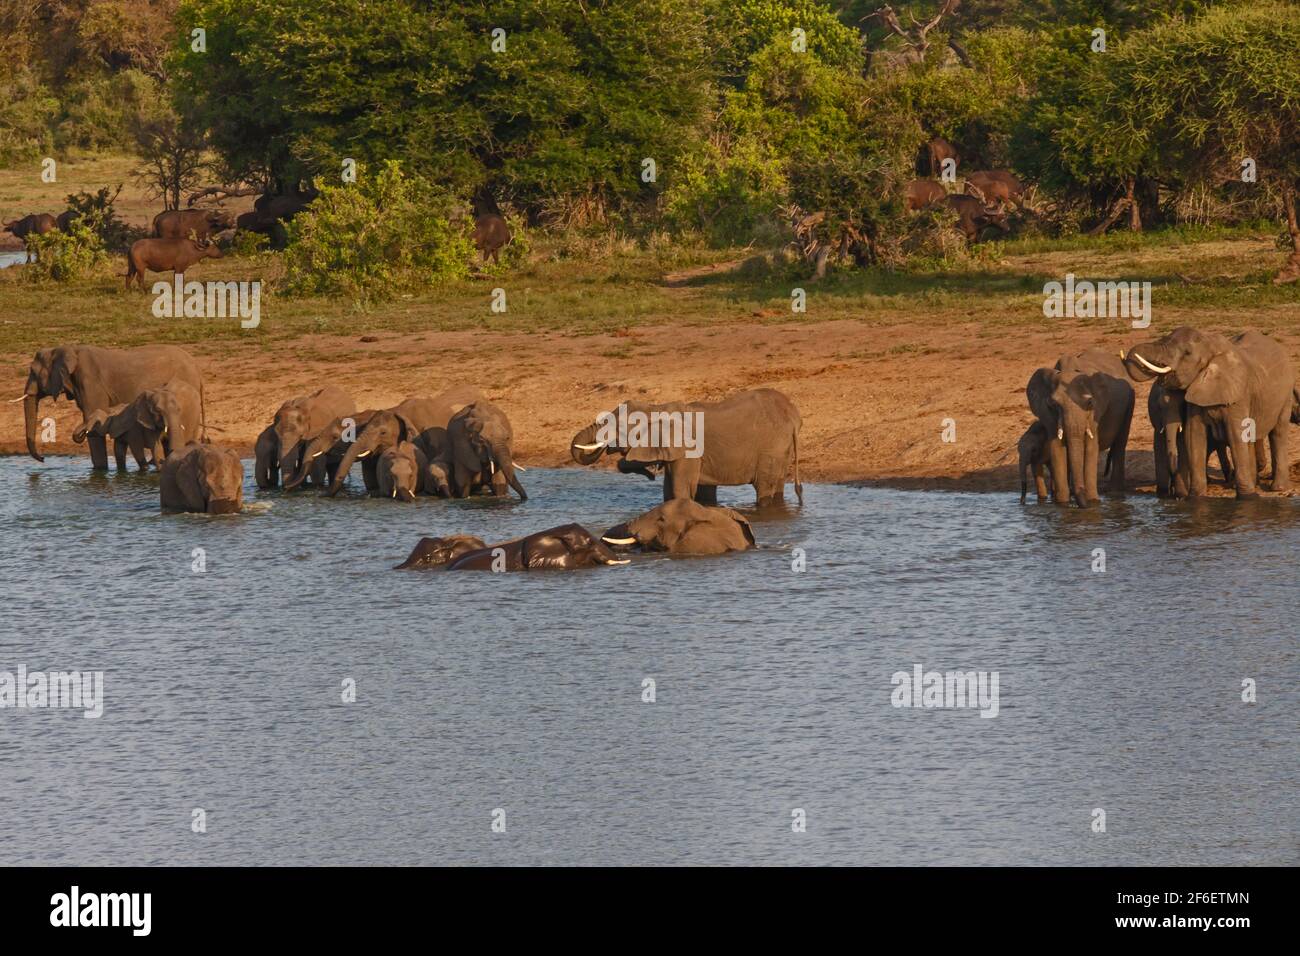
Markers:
12,258
1118,690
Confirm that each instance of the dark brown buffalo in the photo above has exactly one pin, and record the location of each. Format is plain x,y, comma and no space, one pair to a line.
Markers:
924,192
36,224
929,161
998,184
191,223
491,234
165,255
973,217
271,211
66,219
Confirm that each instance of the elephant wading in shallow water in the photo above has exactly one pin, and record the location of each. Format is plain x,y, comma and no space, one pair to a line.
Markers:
1167,409
683,526
1085,404
202,478
748,438
1240,388
402,472
280,447
565,548
98,378
475,453
159,420
1031,454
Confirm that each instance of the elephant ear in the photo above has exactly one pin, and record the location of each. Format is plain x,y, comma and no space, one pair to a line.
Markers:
406,429
1039,391
63,365
745,529
148,413
1221,382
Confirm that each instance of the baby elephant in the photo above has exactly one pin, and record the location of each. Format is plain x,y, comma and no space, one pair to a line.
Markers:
1032,449
438,552
116,423
564,548
202,478
402,472
683,526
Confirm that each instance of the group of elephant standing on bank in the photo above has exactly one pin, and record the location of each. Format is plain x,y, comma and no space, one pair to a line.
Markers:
150,401
1210,394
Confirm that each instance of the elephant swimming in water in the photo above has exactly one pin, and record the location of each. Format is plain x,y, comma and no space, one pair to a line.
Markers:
440,552
202,478
565,548
683,526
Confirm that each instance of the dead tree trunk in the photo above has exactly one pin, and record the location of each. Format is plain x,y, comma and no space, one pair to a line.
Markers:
1291,271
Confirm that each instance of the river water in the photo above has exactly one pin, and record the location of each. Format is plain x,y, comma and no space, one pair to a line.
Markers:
1118,690
12,258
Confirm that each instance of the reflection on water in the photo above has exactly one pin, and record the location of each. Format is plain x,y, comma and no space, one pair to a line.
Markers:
12,258
1119,690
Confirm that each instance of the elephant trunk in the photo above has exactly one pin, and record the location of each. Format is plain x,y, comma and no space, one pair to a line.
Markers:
584,449
30,403
358,449
1078,445
404,494
501,455
308,456
1172,431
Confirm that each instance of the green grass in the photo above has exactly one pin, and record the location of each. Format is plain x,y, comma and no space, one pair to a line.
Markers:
1224,273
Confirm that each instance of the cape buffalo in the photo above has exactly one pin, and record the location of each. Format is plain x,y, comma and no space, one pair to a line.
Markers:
924,192
973,216
998,184
186,223
165,255
929,160
35,224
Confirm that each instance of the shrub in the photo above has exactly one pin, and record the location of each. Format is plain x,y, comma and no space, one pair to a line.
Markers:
377,237
65,256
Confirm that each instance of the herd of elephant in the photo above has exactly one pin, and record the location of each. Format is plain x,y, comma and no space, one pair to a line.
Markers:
1210,394
150,402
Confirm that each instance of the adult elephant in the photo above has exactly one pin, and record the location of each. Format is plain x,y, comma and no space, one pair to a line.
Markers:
439,552
160,420
1085,403
477,451
565,548
1167,410
202,478
95,378
403,422
296,423
747,438
1240,388
683,526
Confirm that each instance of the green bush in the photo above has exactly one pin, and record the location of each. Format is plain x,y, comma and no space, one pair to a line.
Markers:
28,110
370,240
65,256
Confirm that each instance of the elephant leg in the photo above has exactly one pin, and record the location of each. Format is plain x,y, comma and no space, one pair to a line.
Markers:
1091,459
318,472
370,473
1196,456
1278,441
119,454
668,484
1040,482
98,452
1161,448
1056,458
707,494
1118,455
686,479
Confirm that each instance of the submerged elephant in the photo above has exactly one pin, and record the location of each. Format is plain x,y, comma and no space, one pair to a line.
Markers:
683,526
402,472
281,446
747,438
1085,404
1031,453
159,420
476,453
97,378
202,478
564,548
439,552
1167,410
1240,388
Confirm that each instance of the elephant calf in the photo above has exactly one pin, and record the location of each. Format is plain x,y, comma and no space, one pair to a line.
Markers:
158,420
97,425
683,526
202,478
1032,454
402,472
439,552
565,548
477,453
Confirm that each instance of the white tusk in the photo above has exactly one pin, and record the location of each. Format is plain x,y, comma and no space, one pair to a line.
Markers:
14,401
595,447
1088,432
492,468
317,455
394,491
1060,434
519,467
624,561
363,454
1122,353
618,540
1154,368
